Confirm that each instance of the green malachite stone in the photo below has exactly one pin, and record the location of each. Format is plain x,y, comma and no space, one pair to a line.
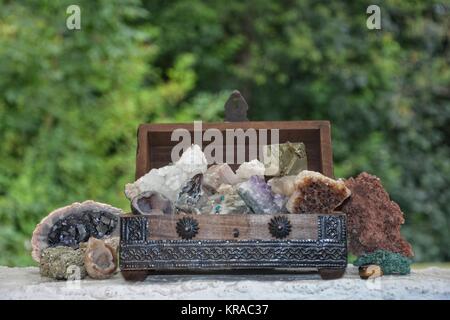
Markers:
390,262
285,159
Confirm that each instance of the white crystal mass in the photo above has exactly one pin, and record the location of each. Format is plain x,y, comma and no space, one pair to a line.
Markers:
251,168
169,179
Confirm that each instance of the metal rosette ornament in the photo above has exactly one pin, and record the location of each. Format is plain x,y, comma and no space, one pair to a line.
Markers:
280,227
187,228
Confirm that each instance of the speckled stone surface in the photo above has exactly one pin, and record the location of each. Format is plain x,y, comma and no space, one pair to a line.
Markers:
430,283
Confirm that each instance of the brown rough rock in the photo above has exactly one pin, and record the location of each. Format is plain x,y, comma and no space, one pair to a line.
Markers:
373,219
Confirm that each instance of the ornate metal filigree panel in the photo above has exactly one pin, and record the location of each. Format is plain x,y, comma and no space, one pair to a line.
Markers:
134,230
332,228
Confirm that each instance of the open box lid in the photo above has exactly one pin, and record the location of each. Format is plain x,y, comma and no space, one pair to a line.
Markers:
155,140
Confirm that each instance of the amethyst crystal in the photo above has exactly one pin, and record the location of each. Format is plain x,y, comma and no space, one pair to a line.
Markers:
258,195
191,196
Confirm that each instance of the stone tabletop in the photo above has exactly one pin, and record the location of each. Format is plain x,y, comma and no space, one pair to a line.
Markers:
429,283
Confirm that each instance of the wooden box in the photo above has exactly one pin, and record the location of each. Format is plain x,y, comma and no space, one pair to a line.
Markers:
234,242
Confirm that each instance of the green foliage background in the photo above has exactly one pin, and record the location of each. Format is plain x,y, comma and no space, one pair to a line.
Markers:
70,101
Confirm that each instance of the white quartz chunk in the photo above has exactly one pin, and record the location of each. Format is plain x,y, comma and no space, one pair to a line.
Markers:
251,168
169,179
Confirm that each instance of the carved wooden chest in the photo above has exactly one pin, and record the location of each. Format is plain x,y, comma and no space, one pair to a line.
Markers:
234,241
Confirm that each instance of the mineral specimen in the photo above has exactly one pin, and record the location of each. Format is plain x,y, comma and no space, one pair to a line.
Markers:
283,185
370,271
257,194
62,263
113,242
73,224
373,219
100,259
191,197
169,179
315,193
390,262
217,175
226,201
151,202
284,159
249,169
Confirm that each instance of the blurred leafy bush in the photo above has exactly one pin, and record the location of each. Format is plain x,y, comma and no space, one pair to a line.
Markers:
71,101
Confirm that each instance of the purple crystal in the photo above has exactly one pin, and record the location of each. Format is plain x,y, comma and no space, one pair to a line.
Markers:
258,195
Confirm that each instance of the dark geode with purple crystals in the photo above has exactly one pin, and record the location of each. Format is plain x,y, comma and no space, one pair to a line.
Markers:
73,224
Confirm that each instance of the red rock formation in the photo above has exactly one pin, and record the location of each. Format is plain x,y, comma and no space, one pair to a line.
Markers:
316,193
373,219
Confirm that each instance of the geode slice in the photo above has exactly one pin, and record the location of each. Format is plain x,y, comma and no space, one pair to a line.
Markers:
151,202
100,259
258,196
73,224
316,193
191,197
63,263
169,179
284,159
217,175
374,220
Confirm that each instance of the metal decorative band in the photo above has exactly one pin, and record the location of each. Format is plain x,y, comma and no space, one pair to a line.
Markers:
176,254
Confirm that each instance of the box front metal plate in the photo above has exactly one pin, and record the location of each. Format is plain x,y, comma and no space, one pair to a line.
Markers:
137,252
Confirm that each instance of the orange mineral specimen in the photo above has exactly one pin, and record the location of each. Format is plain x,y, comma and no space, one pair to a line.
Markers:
316,193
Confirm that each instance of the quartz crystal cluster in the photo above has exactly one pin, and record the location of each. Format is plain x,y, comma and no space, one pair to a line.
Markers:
169,179
189,186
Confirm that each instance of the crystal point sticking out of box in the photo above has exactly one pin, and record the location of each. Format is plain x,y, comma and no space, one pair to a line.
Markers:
316,193
259,197
169,179
284,159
